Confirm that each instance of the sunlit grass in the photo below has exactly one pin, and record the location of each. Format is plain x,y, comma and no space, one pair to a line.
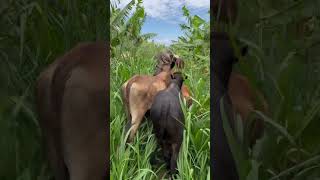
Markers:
33,34
283,64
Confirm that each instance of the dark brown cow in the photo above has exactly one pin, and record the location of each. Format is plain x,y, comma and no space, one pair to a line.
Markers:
72,99
168,119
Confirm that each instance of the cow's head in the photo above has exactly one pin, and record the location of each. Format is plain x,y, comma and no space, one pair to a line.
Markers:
167,58
165,67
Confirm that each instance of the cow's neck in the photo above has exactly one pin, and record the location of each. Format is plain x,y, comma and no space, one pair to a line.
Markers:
175,86
165,76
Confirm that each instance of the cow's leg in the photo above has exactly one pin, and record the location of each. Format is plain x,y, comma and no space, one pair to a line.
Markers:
85,138
137,117
54,153
174,156
85,165
166,150
84,130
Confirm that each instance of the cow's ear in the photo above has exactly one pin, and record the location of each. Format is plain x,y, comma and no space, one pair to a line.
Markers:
244,50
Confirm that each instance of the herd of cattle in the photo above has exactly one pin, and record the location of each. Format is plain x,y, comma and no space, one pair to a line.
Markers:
157,96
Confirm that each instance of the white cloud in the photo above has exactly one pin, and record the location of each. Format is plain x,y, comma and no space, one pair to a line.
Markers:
169,10
163,40
198,3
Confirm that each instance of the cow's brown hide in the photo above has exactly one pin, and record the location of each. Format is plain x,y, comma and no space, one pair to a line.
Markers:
72,101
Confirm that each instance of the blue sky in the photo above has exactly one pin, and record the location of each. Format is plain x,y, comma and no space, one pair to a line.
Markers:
164,16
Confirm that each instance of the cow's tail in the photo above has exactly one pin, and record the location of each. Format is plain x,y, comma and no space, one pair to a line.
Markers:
58,82
49,126
126,105
126,94
60,77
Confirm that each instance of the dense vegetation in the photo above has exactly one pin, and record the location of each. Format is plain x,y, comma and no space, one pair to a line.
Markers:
32,35
283,63
133,54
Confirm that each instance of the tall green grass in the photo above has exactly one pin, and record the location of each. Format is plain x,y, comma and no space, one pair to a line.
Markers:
283,63
133,54
33,33
134,162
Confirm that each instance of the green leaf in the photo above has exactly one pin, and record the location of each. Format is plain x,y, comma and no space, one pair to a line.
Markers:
310,115
197,21
311,161
239,156
277,126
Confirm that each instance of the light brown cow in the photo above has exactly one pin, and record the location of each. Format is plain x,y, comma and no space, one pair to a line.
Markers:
72,100
138,94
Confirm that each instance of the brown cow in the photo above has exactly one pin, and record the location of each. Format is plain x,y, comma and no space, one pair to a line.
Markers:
72,102
244,100
240,97
138,93
241,93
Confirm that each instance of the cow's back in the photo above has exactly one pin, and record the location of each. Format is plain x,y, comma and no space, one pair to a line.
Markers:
166,113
